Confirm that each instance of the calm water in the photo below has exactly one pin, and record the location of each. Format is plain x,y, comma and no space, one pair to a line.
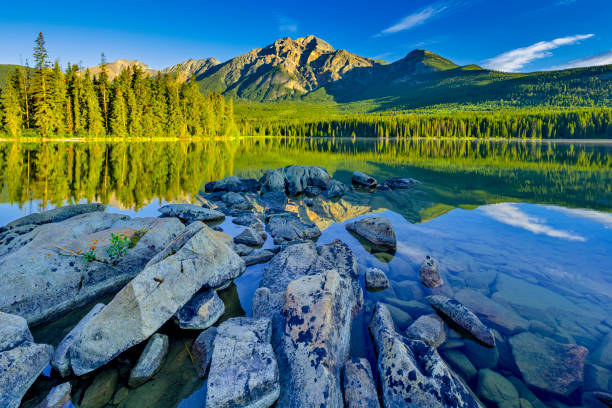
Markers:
528,225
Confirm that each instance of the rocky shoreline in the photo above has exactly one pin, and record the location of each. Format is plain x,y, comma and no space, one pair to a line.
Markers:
295,350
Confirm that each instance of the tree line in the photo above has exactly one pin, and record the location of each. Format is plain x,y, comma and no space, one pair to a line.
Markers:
47,101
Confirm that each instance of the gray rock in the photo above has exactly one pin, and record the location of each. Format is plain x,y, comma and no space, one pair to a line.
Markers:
275,200
460,363
13,331
291,263
55,215
243,369
358,384
413,374
363,179
202,351
61,358
482,356
233,183
408,290
297,178
258,257
236,201
190,212
525,393
318,177
596,378
150,360
400,183
245,219
548,365
429,329
496,390
58,397
603,354
430,275
254,236
500,316
375,279
19,368
201,312
243,250
463,317
199,258
273,180
376,230
49,275
401,318
312,191
335,189
288,227
605,397
101,390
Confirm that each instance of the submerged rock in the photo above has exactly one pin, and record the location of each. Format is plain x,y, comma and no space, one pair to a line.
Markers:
363,179
243,369
201,312
496,390
50,275
190,212
286,227
429,329
61,359
603,354
58,397
399,183
358,384
463,317
502,317
233,183
376,230
412,374
13,331
202,349
150,360
430,275
200,258
376,279
335,189
460,363
258,257
101,390
548,365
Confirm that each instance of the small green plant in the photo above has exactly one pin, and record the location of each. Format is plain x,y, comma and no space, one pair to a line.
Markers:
119,245
90,255
136,237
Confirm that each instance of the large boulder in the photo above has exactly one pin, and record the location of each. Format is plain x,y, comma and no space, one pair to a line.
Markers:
254,236
548,365
150,360
13,331
55,215
358,384
201,312
202,349
58,397
376,230
101,390
297,179
236,201
233,183
199,258
463,317
498,315
258,257
273,180
243,368
412,374
190,212
287,227
46,273
362,179
335,189
429,329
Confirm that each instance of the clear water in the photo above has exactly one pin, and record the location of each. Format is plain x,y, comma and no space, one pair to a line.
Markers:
526,224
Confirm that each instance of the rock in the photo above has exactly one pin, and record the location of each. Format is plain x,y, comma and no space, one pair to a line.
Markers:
375,279
399,183
291,263
358,385
258,257
275,200
297,178
318,177
101,389
49,274
523,403
245,219
243,250
596,378
202,349
150,360
500,316
201,312
273,180
429,329
288,227
120,396
540,328
233,183
376,230
13,331
548,365
55,215
243,369
236,201
335,189
413,374
199,258
401,318
605,397
19,368
363,179
430,275
408,290
413,307
496,390
312,191
460,363
462,316
58,397
61,359
525,393
254,236
190,212
482,356
603,354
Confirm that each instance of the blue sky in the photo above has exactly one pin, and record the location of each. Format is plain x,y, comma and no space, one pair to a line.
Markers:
512,35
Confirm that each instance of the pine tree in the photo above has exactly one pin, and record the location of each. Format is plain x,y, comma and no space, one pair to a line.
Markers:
118,119
103,88
58,100
94,123
10,108
43,111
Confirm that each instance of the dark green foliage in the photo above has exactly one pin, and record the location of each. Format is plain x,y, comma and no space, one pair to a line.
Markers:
119,245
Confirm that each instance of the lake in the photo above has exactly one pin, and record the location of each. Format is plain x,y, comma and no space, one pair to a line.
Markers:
522,231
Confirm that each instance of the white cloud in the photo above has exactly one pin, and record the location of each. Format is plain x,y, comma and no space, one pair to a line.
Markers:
422,16
510,214
286,25
514,60
602,218
604,58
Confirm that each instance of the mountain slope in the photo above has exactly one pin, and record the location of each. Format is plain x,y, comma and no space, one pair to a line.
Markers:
114,68
191,67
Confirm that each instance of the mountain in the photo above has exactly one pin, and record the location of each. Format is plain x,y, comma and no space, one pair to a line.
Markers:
115,68
283,70
191,67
